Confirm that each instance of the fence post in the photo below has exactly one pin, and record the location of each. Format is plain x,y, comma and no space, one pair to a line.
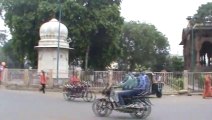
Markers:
185,81
193,81
50,79
26,77
5,76
110,77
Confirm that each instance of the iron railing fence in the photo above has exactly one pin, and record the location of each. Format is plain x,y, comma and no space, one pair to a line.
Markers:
173,81
196,81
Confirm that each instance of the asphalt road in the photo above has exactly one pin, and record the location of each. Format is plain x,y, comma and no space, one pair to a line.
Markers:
25,105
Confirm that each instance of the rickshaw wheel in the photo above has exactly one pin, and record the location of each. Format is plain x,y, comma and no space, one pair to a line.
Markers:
159,94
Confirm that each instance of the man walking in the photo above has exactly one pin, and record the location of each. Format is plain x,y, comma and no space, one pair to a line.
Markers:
43,81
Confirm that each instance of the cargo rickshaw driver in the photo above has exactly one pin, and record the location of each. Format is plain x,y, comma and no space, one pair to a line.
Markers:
156,84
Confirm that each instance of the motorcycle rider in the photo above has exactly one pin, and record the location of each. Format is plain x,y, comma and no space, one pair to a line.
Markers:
128,83
142,86
74,79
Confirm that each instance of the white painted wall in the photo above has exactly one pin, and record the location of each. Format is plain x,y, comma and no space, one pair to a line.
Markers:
47,60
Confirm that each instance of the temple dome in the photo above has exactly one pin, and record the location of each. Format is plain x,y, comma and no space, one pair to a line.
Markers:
49,30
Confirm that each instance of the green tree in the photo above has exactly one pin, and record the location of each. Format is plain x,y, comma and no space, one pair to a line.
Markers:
205,10
21,19
143,46
97,36
3,37
94,27
2,58
175,63
10,55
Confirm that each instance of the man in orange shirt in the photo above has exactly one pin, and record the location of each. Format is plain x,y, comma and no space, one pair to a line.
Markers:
43,81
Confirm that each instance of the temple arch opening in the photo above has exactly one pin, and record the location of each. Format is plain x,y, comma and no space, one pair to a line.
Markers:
206,54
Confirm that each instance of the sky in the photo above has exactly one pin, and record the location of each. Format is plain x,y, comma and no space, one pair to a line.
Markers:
168,16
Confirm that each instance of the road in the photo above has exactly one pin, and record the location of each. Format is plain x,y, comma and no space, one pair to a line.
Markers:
26,105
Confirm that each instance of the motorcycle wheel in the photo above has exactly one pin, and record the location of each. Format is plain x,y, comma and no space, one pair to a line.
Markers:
65,96
141,114
147,111
101,108
148,107
71,98
89,96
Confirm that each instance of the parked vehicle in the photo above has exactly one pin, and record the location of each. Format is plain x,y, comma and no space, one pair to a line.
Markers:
81,90
141,105
157,89
156,85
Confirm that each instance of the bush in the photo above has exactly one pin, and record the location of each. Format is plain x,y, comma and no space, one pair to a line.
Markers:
201,81
178,83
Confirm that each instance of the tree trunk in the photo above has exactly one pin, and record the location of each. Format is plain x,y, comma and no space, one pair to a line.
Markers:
86,57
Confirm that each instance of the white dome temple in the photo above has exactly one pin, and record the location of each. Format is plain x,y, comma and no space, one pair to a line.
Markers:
48,59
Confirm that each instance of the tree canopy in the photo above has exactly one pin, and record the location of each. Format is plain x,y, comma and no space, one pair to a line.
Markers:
98,32
143,46
174,64
3,37
204,12
94,27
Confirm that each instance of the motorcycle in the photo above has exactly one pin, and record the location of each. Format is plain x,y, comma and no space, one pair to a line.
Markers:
140,105
72,91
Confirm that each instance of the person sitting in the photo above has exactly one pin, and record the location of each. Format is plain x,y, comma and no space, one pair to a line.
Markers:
76,83
142,86
143,83
128,83
74,80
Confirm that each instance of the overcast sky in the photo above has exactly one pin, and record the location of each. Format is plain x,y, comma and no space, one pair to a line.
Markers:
168,16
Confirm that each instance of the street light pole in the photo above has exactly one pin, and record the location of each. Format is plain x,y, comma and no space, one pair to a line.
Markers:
191,23
58,42
192,53
192,48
